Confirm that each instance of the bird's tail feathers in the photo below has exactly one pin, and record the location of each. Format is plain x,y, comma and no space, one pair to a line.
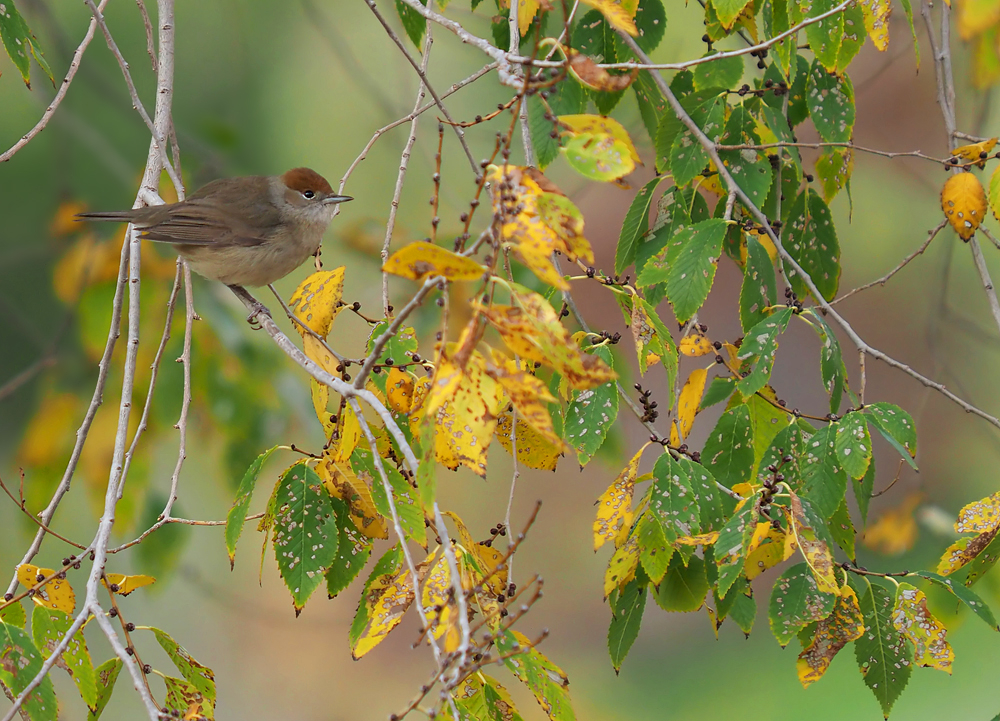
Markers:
116,216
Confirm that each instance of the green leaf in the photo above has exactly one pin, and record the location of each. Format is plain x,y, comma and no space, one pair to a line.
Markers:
592,413
760,289
722,73
908,9
542,677
654,535
627,619
718,390
594,37
668,358
729,10
413,22
884,657
388,566
305,532
196,674
795,602
635,227
789,441
896,426
759,347
687,265
19,42
854,444
983,562
777,123
749,168
676,210
831,104
408,506
652,104
13,615
835,40
766,422
684,587
968,597
824,479
687,156
730,547
48,627
598,157
651,22
674,501
238,513
568,97
21,663
744,608
353,550
713,505
798,107
842,529
833,170
546,147
728,451
106,674
184,699
811,240
863,491
831,361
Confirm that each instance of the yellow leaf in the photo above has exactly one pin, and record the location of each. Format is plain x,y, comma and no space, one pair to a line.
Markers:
876,14
532,330
767,551
976,152
963,551
57,593
317,300
912,618
399,389
979,516
465,403
695,345
595,77
895,531
49,430
690,399
832,633
340,482
964,203
815,551
126,584
597,126
421,260
350,436
487,557
621,567
616,15
436,597
614,507
387,604
526,11
528,394
533,450
64,222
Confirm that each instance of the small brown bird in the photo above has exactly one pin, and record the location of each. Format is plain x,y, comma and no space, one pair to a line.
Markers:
242,231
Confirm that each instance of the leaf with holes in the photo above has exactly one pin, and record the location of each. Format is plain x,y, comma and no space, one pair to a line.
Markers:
759,289
592,413
884,658
749,168
106,674
687,156
971,599
795,602
854,444
811,240
963,201
823,476
543,678
896,426
830,99
692,263
759,348
20,43
913,619
48,627
241,504
729,451
625,622
635,227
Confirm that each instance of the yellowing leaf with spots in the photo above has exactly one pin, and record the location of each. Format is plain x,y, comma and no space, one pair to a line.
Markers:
876,15
964,551
528,394
387,601
421,260
57,593
767,549
465,403
399,389
317,300
979,516
124,585
436,596
349,435
341,482
832,633
598,147
912,618
526,11
895,531
702,539
617,16
696,345
621,567
690,399
814,549
533,450
614,507
964,203
487,558
538,220
532,330
975,152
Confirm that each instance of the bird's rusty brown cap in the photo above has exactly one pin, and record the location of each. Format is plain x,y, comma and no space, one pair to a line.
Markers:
303,179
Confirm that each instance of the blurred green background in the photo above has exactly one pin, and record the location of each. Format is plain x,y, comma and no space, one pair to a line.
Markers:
262,87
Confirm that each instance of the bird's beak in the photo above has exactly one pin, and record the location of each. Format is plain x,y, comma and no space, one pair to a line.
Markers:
336,199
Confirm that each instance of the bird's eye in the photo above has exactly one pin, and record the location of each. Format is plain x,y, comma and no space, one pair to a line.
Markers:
308,194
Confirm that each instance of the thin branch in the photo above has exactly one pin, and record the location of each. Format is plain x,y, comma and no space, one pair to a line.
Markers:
851,145
74,65
931,235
